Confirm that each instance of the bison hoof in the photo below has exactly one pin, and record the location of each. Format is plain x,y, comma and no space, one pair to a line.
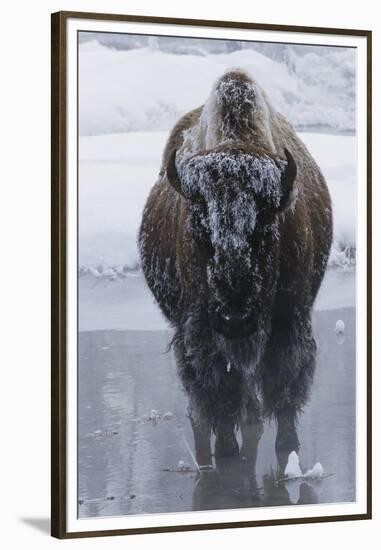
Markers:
226,446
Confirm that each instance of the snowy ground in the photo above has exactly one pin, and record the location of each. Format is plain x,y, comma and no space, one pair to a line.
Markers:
117,171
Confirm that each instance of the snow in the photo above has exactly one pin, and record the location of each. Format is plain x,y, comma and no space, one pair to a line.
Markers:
263,173
147,89
339,327
292,469
132,89
336,156
231,218
117,171
316,472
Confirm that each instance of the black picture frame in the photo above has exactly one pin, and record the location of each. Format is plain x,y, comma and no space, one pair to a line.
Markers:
59,269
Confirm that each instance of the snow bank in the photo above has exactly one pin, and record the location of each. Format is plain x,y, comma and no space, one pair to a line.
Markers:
336,156
147,89
117,172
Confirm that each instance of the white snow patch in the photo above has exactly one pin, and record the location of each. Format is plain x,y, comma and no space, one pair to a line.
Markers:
316,472
292,469
339,327
231,216
336,156
143,89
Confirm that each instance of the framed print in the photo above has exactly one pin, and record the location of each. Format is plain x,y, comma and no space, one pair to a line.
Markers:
211,274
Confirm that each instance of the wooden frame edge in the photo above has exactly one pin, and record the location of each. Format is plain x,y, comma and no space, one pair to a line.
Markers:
58,275
213,526
369,273
210,23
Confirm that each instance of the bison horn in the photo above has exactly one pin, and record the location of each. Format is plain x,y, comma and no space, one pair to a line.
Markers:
287,179
289,174
172,174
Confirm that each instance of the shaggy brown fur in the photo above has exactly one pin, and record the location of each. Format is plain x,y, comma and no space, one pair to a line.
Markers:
241,312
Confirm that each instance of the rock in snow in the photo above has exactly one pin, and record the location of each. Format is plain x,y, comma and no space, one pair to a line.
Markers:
340,327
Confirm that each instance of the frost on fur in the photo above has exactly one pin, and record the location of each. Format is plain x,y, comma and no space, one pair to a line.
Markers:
233,267
229,207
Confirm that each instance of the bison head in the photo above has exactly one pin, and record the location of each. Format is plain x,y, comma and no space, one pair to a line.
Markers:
234,198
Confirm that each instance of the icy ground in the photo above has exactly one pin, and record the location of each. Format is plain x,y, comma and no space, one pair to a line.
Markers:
127,304
134,432
116,172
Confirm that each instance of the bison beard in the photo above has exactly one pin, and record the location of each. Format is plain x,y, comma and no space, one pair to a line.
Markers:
234,243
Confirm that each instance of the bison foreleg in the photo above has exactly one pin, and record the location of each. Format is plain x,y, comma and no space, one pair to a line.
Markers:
287,437
200,420
226,442
202,429
251,430
286,378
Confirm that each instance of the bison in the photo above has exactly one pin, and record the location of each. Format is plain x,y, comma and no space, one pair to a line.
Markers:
234,242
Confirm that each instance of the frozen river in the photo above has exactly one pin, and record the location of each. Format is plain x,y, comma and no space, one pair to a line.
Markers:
127,453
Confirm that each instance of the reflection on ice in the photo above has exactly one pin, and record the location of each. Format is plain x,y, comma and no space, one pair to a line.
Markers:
133,423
